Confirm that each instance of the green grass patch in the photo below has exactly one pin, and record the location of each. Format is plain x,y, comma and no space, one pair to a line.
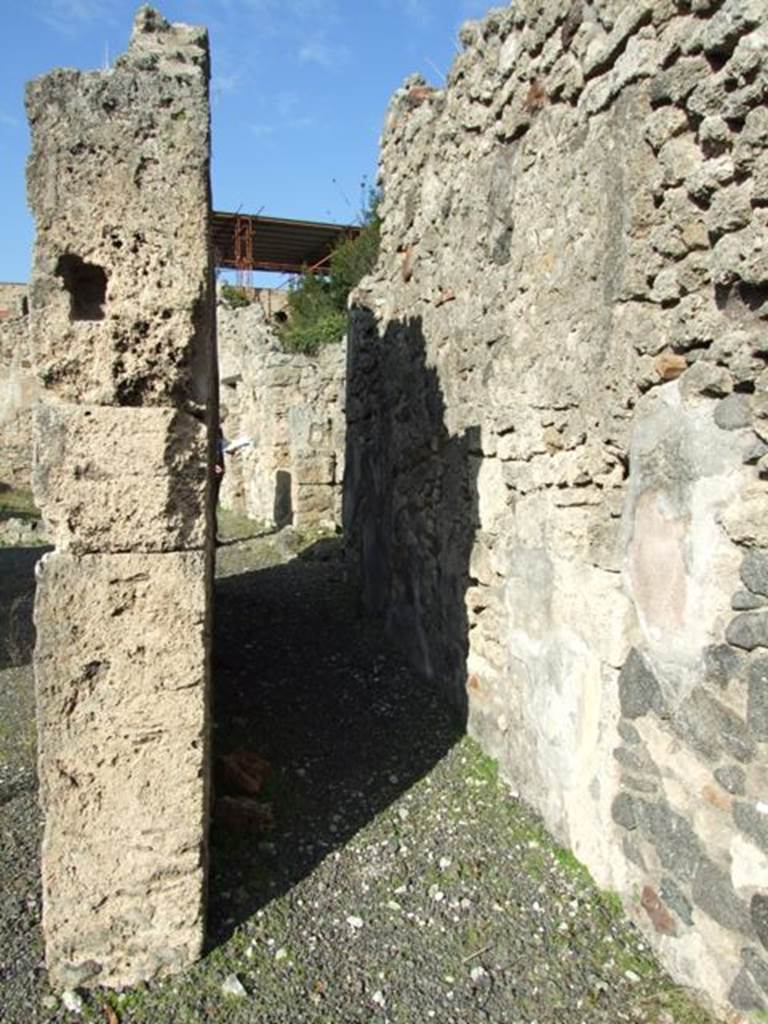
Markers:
17,504
237,525
571,865
635,961
611,904
481,767
680,1006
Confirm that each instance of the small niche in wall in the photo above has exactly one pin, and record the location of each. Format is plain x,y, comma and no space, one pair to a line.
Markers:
86,284
283,508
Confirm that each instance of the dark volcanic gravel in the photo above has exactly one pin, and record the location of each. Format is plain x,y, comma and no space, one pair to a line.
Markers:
400,882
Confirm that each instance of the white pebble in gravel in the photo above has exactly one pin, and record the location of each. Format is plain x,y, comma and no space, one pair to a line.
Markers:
232,986
378,998
355,922
72,1001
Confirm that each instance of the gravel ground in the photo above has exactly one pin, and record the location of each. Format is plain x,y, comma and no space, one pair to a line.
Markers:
400,882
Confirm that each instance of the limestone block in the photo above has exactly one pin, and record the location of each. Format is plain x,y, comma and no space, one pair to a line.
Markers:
679,157
742,255
122,696
112,479
731,21
118,182
709,176
663,124
314,505
744,518
630,19
491,492
751,143
677,82
730,210
315,468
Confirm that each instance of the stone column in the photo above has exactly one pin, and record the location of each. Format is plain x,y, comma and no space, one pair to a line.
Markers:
123,340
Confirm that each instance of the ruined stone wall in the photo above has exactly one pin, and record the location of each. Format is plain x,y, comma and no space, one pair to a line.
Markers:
18,389
557,426
291,405
122,339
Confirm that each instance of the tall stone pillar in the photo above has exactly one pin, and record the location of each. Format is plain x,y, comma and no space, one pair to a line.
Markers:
123,340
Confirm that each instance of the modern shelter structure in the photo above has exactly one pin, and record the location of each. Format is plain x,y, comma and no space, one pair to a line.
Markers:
246,242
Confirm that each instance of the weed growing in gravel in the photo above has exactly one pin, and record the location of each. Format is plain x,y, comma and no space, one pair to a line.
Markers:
571,864
481,767
611,902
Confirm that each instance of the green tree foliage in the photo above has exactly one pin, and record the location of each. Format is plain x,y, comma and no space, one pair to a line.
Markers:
317,303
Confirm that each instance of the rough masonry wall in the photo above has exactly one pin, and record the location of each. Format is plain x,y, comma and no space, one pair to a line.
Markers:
122,338
18,389
556,460
292,407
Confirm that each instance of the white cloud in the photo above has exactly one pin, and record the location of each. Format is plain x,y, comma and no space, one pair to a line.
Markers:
263,130
475,8
419,11
304,9
69,16
286,102
269,129
221,83
319,51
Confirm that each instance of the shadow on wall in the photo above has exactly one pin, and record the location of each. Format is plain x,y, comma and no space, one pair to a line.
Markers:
410,500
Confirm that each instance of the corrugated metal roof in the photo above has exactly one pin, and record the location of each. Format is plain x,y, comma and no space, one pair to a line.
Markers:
244,241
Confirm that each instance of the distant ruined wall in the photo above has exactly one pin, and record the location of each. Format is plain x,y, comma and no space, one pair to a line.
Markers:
557,427
122,335
292,406
18,389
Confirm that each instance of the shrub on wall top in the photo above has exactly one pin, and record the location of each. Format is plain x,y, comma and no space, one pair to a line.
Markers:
317,303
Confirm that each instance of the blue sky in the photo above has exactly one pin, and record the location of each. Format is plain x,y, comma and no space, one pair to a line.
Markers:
299,90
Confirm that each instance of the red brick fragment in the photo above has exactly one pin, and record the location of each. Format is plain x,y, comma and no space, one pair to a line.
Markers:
661,919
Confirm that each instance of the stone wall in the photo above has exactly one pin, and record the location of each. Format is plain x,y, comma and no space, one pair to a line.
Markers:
18,388
557,426
291,405
121,319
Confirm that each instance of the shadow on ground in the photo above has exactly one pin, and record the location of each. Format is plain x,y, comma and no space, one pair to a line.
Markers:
301,679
